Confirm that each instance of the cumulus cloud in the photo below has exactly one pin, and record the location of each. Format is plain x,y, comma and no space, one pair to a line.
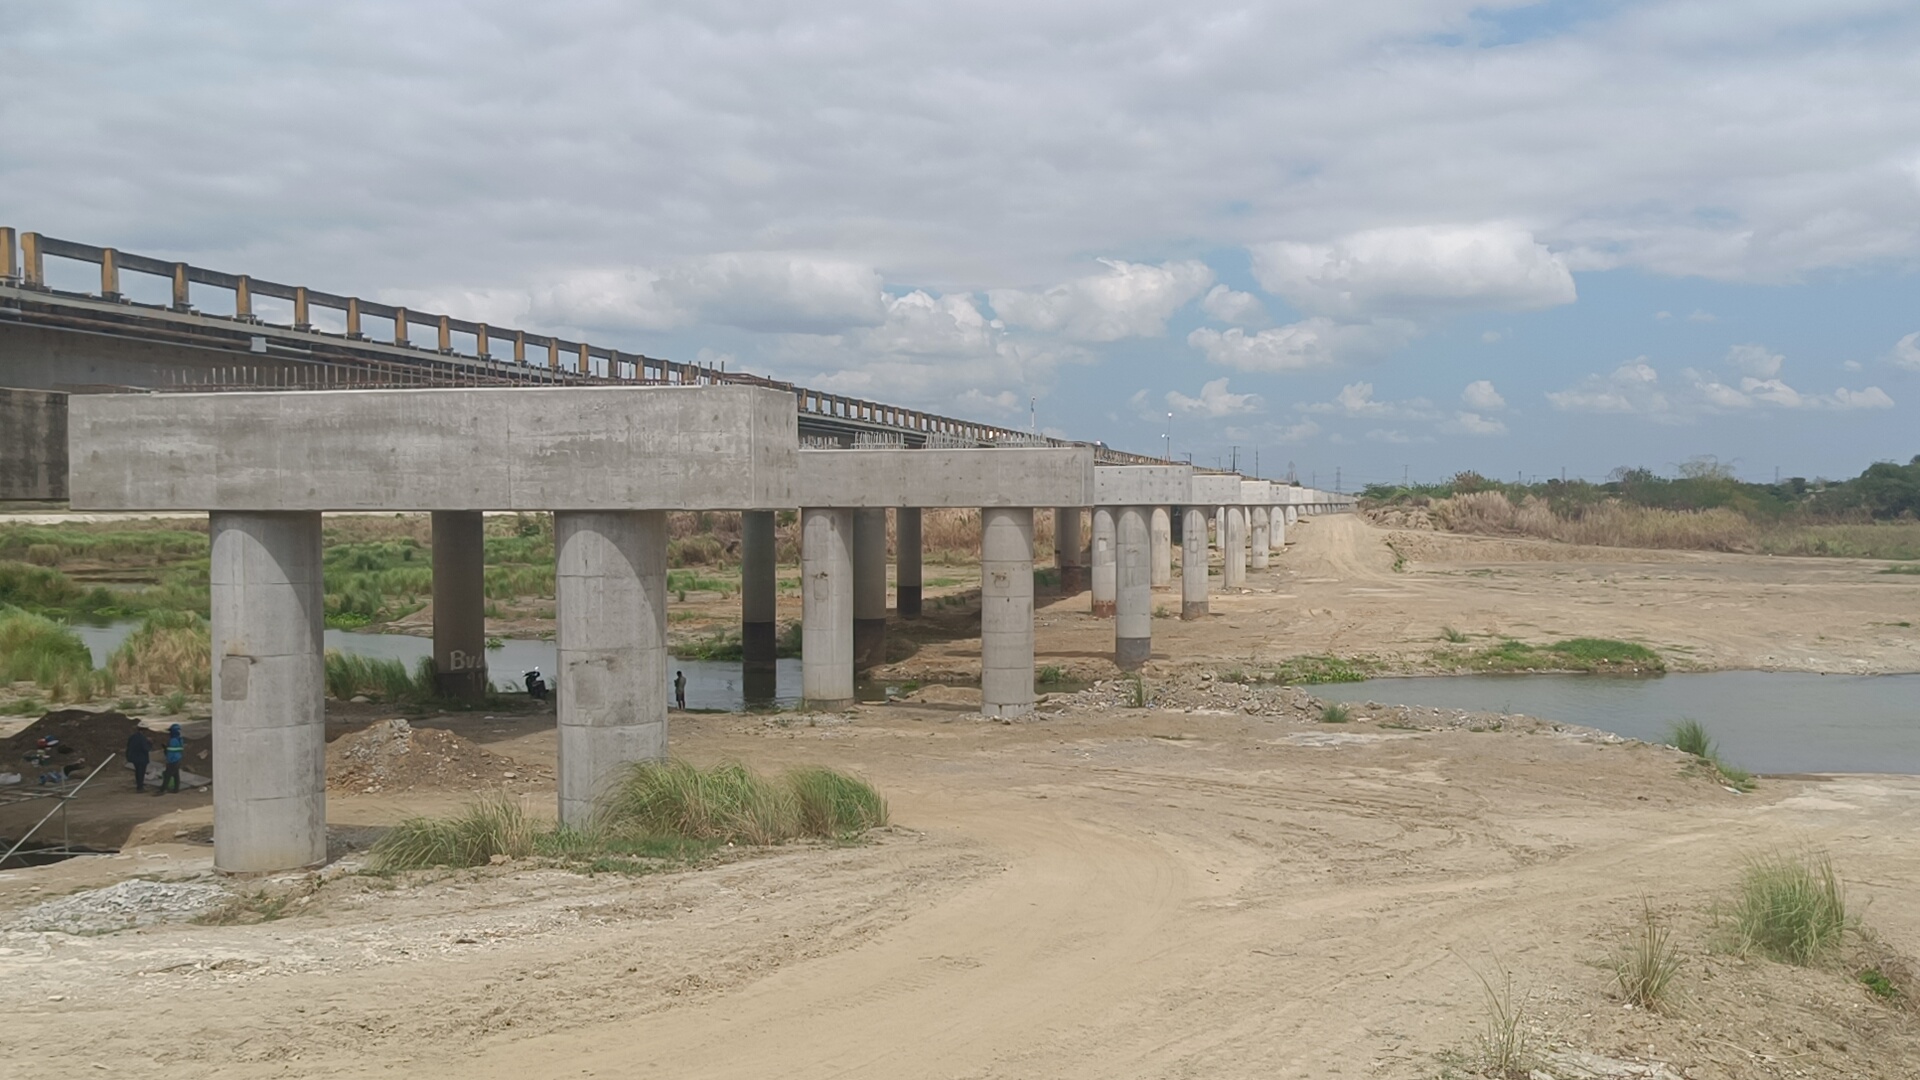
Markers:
1633,387
1414,271
1481,395
1214,401
1310,343
1906,352
1755,360
1129,300
776,292
1230,306
1471,423
1356,399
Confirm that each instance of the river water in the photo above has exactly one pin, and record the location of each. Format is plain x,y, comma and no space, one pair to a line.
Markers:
711,684
1763,721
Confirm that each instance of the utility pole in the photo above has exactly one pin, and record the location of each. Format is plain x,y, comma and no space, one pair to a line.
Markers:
1256,463
1406,471
1169,438
1336,479
1234,467
1292,477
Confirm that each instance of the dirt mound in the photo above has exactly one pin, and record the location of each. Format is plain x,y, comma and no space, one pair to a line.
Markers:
1400,517
91,736
393,755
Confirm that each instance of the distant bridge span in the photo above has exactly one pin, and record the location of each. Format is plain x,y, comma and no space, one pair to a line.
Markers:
53,339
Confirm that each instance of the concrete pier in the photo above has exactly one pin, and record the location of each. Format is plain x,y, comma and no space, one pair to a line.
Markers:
1133,616
610,600
869,588
1293,515
826,614
1259,547
1193,564
758,590
1103,577
1069,550
1277,528
459,605
269,724
1235,573
1160,526
907,550
1006,611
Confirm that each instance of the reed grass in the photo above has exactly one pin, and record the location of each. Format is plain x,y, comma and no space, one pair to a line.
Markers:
1790,907
171,651
349,675
1644,967
494,825
36,649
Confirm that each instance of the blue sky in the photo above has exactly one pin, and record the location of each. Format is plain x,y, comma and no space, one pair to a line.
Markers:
1407,237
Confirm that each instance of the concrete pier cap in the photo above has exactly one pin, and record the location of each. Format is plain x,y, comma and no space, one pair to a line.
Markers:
608,461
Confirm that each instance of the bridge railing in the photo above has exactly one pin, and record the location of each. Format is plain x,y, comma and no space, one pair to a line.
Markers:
23,259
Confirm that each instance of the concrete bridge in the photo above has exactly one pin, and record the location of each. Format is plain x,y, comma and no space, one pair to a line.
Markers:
609,456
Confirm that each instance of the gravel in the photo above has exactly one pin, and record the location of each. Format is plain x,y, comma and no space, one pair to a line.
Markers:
120,907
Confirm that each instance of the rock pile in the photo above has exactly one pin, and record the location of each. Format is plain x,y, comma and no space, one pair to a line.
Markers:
393,755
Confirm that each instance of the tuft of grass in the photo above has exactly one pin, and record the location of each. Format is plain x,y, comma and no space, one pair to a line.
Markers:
171,650
725,645
1448,633
1878,984
1903,568
1504,1052
727,803
489,827
1790,908
1049,675
1690,737
175,703
1644,967
1335,713
831,803
38,650
1137,695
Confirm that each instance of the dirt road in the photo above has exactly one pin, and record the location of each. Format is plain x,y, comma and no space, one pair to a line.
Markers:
1096,893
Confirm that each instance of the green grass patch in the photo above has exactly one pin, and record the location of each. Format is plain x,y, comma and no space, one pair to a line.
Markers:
350,675
1878,984
1592,655
1790,907
658,813
1334,712
1049,675
1309,670
38,650
1644,967
1690,737
721,646
171,650
1448,633
1904,568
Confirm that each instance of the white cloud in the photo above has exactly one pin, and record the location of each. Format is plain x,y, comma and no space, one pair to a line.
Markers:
1491,337
1906,352
1214,401
1853,365
776,292
1632,388
1481,395
1871,398
1772,392
1415,271
1310,343
1755,360
1396,436
1700,316
1129,300
1238,308
1471,423
1662,316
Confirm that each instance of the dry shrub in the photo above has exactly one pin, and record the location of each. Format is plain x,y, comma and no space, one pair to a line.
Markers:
170,650
1607,524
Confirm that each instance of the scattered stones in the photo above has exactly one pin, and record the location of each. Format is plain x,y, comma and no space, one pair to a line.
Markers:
122,906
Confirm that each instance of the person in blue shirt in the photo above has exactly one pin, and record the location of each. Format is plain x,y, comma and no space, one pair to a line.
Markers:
175,749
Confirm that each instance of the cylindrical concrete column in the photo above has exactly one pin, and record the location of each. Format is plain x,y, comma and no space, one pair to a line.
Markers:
1006,611
826,611
1160,526
1277,528
1133,615
459,605
1069,554
269,720
1103,576
1235,532
1193,565
869,588
1293,514
758,590
1257,537
907,546
610,601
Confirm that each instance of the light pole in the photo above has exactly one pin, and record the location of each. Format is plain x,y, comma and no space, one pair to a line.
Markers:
1169,438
